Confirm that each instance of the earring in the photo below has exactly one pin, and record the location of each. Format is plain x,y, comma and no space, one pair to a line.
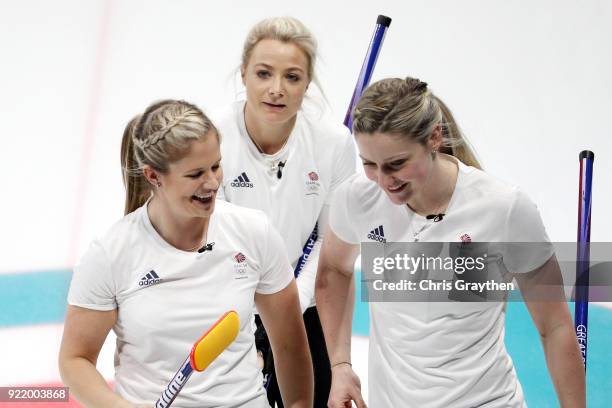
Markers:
158,184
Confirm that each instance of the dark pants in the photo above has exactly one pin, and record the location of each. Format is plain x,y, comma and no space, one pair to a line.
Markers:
318,353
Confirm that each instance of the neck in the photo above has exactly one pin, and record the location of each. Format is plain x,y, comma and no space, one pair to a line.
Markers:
184,233
268,137
438,190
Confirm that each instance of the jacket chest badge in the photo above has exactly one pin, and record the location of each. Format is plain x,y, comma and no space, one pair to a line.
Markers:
312,183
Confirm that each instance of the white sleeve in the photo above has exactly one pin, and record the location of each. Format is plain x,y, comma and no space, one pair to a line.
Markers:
339,214
276,271
344,166
526,245
92,285
308,275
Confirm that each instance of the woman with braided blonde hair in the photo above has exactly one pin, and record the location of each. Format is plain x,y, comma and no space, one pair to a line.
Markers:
422,183
175,263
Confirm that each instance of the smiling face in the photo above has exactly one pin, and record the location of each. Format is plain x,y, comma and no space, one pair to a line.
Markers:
276,79
190,185
399,166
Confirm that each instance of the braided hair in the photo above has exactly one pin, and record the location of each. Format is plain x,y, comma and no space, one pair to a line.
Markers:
159,136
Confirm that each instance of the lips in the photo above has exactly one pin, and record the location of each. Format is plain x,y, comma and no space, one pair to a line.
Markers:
275,106
203,198
397,189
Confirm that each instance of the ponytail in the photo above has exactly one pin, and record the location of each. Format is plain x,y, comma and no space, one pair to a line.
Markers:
137,190
457,146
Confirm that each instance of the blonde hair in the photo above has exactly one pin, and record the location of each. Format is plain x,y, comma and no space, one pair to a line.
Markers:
158,137
406,107
287,30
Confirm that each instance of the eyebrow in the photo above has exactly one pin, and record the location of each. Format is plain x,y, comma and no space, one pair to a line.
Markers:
267,66
202,168
392,158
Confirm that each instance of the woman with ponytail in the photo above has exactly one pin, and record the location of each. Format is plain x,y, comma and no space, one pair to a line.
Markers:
422,183
175,263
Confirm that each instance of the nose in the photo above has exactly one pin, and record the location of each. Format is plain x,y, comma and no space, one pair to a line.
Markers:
210,181
276,87
384,179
